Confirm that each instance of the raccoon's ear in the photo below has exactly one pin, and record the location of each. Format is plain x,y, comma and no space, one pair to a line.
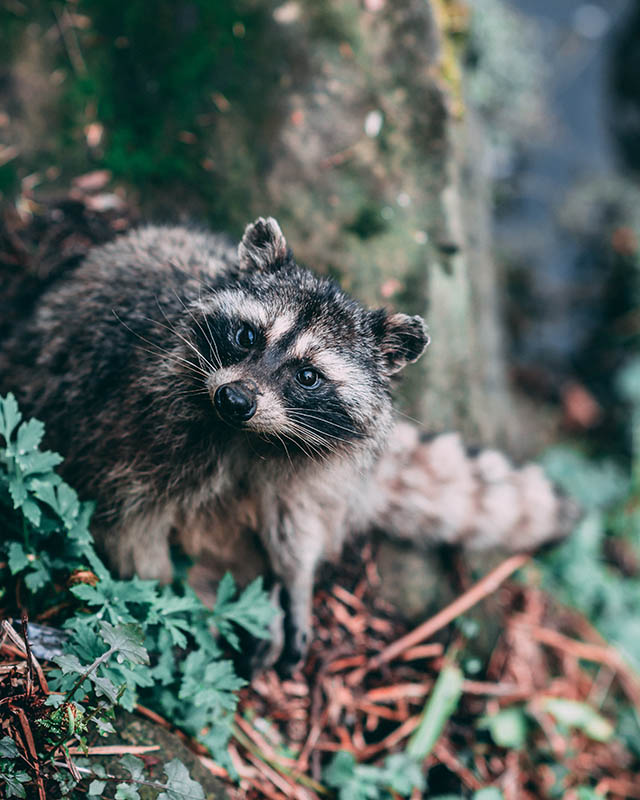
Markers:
263,246
402,338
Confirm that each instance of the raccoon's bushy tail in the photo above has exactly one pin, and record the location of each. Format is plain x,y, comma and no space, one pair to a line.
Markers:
434,490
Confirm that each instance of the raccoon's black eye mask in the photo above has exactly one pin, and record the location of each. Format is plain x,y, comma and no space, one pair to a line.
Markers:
401,338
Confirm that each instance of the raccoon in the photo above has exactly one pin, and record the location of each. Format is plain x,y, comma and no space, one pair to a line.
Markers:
242,403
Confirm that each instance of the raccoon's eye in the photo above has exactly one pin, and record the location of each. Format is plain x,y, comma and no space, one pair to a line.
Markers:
308,378
246,336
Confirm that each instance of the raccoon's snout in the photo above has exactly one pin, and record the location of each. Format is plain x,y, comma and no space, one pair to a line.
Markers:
235,402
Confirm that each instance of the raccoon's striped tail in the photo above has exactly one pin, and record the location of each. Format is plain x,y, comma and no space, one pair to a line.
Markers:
434,490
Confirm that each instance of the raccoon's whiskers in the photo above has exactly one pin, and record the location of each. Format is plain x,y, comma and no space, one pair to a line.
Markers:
303,412
171,329
323,442
409,417
312,436
160,351
304,438
174,358
176,396
208,340
323,434
211,339
282,442
307,447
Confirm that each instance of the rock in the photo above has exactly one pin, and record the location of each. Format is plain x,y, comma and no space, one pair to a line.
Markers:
132,729
412,581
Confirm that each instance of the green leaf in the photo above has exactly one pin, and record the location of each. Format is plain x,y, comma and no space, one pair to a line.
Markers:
628,381
97,787
29,436
595,485
8,748
179,785
45,491
37,462
68,505
587,793
17,558
104,687
441,705
13,783
55,699
508,728
226,590
252,610
403,774
134,766
575,714
126,640
10,416
104,726
17,490
448,797
490,793
69,662
39,576
341,769
400,773
125,791
32,512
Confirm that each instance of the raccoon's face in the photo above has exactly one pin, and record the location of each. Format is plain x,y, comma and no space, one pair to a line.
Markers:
293,359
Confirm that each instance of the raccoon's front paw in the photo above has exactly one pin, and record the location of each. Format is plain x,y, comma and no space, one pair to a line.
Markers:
269,651
297,636
294,654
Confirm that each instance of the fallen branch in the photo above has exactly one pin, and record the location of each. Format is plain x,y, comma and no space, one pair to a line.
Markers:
114,750
599,654
483,588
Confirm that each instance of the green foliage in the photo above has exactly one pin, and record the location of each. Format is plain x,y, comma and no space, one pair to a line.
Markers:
578,572
400,775
511,726
11,776
573,714
586,793
130,640
508,728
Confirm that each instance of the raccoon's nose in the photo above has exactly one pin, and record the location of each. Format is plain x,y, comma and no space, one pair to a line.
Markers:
235,402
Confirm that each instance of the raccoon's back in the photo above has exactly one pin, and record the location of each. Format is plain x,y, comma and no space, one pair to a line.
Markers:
72,321
81,343
85,357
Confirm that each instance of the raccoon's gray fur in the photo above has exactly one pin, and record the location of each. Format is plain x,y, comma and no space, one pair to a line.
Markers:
234,397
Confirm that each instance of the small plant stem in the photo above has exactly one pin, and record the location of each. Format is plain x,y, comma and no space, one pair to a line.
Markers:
100,660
